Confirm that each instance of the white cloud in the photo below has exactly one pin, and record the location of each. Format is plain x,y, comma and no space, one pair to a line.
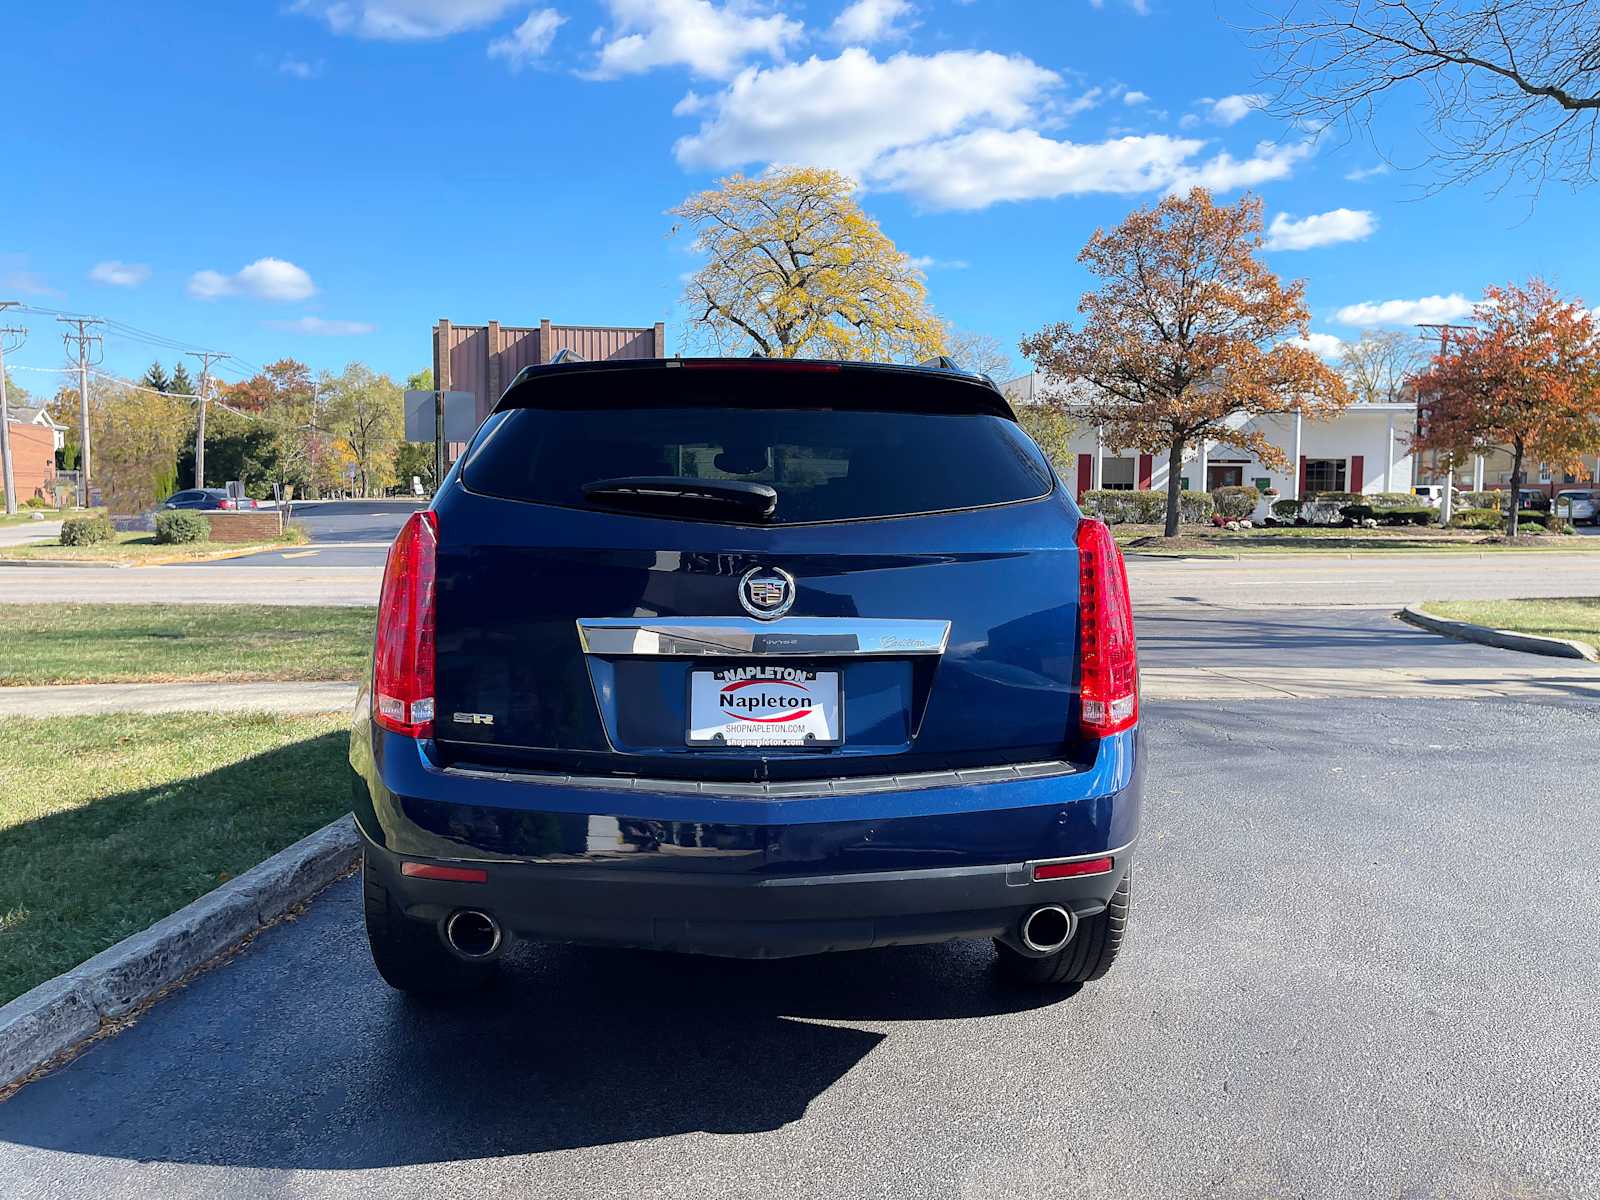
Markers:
926,262
867,21
119,274
1323,345
1135,97
847,112
974,170
264,279
529,41
1320,229
1360,174
17,277
709,39
320,327
404,20
300,68
958,129
1230,110
1427,310
1224,173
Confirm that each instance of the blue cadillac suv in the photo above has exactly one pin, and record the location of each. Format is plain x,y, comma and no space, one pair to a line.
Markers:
751,658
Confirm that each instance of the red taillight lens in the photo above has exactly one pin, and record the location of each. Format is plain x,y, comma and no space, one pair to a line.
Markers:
416,870
224,503
1110,660
1070,870
402,663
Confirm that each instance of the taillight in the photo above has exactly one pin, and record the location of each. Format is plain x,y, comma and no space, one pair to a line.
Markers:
402,662
224,503
1109,657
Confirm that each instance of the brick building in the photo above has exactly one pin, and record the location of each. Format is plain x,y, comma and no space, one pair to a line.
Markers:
484,359
33,460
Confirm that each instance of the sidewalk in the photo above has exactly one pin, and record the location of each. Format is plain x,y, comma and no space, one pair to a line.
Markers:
1222,684
89,698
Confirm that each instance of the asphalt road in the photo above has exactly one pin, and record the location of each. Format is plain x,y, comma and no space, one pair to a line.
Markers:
345,534
1203,635
1359,967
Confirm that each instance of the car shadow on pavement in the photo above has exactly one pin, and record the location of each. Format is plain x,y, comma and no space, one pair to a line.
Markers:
305,1060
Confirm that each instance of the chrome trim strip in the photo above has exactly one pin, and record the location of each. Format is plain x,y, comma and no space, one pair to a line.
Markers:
850,785
786,637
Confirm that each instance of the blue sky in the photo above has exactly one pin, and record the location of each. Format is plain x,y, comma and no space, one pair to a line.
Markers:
326,179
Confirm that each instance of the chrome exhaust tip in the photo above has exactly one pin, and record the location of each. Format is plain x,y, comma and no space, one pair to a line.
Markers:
472,934
1047,928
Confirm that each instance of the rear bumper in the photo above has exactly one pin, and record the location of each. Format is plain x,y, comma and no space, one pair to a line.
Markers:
792,870
745,916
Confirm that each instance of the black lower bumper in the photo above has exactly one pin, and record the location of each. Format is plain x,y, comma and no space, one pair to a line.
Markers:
744,916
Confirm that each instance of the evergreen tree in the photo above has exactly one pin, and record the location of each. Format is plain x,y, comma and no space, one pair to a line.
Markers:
180,381
157,378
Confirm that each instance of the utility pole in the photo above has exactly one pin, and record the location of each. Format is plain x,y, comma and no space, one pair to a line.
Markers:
85,340
5,412
205,357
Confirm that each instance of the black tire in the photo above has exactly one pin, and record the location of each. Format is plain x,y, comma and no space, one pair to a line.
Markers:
409,954
1085,958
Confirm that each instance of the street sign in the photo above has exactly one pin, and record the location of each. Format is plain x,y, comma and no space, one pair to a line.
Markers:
460,416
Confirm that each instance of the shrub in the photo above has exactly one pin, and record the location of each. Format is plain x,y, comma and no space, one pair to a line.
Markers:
1145,508
1477,518
176,527
36,502
1326,508
1235,503
1388,501
1532,516
1494,500
1410,515
86,531
1560,525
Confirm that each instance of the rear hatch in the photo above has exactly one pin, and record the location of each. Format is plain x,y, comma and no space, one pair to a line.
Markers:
738,571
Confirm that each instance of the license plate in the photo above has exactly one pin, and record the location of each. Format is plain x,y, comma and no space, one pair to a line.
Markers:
764,706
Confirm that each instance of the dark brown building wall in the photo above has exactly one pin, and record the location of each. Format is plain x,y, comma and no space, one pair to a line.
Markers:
484,359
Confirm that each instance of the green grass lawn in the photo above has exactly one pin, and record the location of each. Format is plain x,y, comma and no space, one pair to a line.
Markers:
1202,541
1576,618
155,643
135,547
109,823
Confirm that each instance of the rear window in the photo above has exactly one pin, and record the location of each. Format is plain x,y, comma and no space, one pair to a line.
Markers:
826,465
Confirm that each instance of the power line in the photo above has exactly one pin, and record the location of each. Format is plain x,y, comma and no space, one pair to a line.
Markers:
87,344
205,357
7,331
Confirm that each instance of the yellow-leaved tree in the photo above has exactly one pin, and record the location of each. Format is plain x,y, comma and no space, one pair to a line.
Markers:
795,269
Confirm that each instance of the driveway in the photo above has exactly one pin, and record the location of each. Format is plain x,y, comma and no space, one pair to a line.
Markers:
1354,972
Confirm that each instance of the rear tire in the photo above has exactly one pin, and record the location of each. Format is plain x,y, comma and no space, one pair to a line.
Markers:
408,954
1085,958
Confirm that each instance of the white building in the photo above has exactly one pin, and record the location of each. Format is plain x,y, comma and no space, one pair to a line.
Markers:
1366,448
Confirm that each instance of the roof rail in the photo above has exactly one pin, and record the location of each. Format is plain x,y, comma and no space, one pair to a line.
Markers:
565,356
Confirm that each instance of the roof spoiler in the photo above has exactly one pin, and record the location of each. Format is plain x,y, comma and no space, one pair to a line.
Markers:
943,362
565,356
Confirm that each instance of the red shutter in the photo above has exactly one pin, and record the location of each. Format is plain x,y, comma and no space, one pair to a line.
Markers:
1358,472
1146,464
1085,473
1300,492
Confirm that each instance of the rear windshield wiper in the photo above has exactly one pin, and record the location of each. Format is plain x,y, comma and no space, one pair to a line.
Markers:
682,491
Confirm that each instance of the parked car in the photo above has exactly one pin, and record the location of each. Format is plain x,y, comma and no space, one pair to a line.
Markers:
749,658
1578,506
1536,499
1433,494
210,498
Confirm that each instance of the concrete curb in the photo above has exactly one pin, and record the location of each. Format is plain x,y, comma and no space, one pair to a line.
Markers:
68,563
1505,639
61,1012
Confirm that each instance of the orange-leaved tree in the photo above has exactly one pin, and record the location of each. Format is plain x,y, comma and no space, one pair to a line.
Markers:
1188,333
1526,380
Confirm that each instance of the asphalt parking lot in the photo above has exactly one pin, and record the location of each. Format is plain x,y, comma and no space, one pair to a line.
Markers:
1359,967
